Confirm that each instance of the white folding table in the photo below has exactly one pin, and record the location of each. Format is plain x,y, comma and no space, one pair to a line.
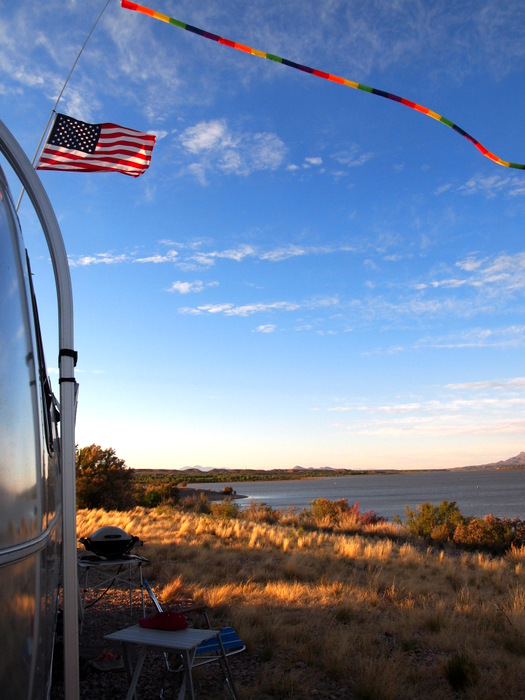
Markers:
183,642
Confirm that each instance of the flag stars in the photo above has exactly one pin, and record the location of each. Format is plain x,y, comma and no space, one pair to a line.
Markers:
74,134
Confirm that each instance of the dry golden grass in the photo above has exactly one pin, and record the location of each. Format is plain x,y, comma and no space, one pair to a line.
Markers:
366,616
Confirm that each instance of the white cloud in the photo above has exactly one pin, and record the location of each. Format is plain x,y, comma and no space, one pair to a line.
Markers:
314,161
218,149
266,328
206,136
190,287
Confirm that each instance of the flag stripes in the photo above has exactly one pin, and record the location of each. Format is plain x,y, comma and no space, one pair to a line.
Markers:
73,145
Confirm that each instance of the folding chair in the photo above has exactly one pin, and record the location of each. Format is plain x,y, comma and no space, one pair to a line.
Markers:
227,644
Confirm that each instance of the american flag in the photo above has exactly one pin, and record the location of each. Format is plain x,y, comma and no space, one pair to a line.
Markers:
78,146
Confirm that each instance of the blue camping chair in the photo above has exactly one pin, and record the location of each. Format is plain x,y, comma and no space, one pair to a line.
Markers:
210,651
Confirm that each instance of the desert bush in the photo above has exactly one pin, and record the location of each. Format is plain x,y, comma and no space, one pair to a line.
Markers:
258,512
153,495
434,523
338,515
225,509
322,509
196,504
490,532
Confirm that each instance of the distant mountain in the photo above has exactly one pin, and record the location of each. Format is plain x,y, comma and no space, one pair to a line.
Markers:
196,468
312,469
517,462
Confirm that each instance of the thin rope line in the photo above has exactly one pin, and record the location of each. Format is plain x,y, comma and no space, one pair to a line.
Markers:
44,133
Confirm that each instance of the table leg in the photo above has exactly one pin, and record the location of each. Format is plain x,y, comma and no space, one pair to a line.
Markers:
130,598
136,673
142,589
82,600
226,669
187,661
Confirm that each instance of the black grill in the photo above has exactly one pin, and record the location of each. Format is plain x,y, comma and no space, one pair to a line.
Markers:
109,542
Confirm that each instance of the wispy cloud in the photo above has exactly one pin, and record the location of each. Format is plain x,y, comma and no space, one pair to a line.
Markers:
169,256
352,157
290,251
230,309
492,410
266,328
517,383
497,275
491,186
488,186
438,426
500,270
98,259
187,257
208,258
501,338
275,255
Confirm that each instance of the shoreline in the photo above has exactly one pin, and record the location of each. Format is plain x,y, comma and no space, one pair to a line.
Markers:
192,492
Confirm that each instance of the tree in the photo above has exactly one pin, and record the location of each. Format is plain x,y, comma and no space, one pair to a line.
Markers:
103,480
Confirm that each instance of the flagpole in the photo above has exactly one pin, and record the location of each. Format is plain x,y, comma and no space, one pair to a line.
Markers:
44,133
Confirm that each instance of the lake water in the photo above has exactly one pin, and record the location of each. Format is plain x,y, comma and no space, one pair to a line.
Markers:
476,493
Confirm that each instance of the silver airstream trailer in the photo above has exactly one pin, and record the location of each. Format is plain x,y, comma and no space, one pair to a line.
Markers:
37,478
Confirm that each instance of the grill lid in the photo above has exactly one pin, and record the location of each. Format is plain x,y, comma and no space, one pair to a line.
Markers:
103,534
109,542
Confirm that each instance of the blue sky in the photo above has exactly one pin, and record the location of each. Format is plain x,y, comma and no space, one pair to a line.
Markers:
306,274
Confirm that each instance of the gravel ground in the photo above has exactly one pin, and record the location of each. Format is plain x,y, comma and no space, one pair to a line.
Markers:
111,613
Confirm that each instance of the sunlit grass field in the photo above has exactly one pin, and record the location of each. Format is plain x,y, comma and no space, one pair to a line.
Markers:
367,610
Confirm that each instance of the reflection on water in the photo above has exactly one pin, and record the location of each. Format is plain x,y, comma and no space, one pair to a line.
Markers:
477,493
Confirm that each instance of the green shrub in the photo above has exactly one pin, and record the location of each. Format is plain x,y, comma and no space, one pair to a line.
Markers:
326,510
435,523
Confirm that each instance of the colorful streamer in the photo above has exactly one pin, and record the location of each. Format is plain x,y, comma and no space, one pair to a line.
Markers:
321,74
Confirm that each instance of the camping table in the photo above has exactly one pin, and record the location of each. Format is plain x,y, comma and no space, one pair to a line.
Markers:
125,566
183,642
